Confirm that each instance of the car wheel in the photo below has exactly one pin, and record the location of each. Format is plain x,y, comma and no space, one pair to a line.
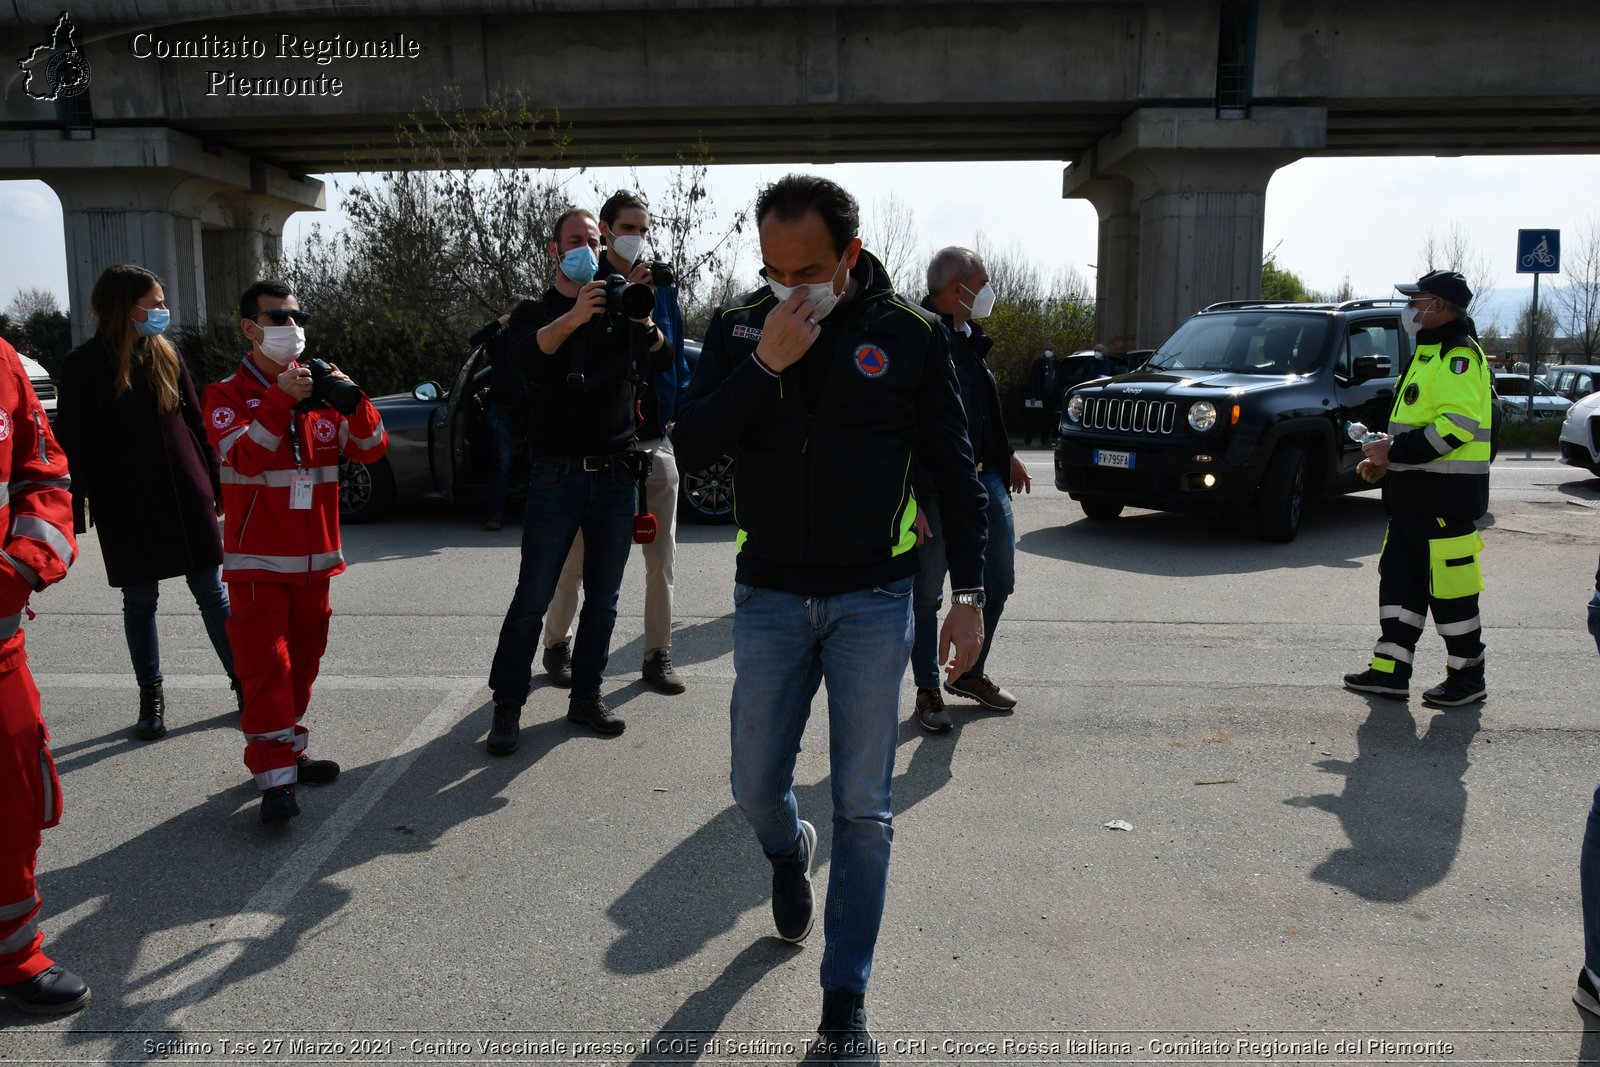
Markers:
1099,508
1282,499
366,490
707,495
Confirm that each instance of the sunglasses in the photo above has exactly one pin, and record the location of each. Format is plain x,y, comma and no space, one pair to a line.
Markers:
282,316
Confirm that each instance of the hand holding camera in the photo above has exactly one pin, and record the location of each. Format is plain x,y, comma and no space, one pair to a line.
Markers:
331,386
591,302
296,381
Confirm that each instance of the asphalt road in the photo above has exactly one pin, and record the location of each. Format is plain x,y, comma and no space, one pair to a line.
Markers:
1304,865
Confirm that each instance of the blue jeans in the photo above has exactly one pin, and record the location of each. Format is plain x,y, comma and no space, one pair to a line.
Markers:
999,580
560,503
139,622
784,647
502,450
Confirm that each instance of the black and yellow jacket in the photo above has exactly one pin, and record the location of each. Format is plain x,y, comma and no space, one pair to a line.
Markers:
823,451
1441,424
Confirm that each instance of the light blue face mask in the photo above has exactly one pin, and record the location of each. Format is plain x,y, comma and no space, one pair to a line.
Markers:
580,264
155,322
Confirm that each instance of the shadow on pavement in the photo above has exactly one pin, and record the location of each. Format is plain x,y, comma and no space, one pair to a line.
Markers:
698,891
1403,805
91,750
1337,532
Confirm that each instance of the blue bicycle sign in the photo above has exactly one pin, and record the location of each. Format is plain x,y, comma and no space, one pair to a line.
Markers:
1538,251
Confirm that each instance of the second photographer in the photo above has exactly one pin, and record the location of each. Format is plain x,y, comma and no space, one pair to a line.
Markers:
587,348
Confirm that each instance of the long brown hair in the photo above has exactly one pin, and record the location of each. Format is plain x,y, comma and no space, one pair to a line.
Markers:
112,301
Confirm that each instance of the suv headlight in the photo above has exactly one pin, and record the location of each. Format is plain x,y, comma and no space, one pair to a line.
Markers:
1075,409
1203,415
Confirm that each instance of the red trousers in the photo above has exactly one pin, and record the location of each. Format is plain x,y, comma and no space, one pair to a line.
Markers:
278,632
30,802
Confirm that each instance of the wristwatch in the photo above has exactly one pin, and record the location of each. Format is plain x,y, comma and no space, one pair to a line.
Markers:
971,600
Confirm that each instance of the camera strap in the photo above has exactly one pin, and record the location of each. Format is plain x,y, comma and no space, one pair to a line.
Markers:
301,485
577,353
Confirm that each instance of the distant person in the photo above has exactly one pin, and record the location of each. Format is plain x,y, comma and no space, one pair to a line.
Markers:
624,225
824,378
508,410
959,293
1044,389
1434,466
143,473
36,548
1100,365
1587,995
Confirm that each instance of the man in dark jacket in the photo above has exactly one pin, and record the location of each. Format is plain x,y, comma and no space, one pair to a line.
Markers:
508,415
959,293
1044,395
825,383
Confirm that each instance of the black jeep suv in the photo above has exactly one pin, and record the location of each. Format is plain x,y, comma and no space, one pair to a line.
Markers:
1245,406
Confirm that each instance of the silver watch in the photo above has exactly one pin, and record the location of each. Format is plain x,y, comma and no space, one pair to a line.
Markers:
971,600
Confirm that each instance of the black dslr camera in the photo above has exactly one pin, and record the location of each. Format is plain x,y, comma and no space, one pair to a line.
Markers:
338,394
632,300
662,274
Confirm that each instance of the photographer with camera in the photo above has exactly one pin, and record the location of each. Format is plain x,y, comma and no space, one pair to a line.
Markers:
588,347
624,225
280,427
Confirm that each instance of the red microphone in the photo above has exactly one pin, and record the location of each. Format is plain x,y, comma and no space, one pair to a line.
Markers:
645,528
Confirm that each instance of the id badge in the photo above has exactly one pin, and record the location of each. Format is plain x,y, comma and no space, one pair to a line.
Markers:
300,493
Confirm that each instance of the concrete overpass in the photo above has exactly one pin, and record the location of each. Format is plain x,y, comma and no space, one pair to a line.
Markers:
192,139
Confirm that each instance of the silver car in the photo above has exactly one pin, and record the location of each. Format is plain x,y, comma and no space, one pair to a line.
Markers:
1512,390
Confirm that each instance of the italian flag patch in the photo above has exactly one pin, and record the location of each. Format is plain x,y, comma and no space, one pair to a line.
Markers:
1459,365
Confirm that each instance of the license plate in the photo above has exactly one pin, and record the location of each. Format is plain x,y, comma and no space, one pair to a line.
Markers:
1113,459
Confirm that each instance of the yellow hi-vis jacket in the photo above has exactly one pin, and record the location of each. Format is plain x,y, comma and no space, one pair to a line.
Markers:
1441,422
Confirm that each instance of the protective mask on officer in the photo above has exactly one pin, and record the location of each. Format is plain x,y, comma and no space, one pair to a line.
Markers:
155,322
982,302
1411,320
819,293
628,247
580,264
282,344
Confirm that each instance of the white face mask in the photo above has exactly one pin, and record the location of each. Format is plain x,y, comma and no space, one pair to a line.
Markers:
1411,319
628,247
819,293
982,302
282,344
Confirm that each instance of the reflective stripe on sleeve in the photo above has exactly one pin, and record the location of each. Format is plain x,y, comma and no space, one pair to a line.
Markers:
374,441
281,479
229,438
40,530
1446,466
261,436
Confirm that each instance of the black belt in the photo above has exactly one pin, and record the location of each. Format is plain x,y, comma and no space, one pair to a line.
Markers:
592,464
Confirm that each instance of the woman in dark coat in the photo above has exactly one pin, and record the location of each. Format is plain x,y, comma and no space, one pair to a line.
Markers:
129,420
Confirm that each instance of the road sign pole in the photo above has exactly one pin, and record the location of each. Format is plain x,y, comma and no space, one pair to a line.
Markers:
1533,344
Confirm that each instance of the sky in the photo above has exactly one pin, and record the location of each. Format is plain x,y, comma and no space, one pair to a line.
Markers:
1326,218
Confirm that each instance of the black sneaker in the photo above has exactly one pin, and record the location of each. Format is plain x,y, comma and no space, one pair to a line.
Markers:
315,771
592,712
53,992
659,673
978,687
278,804
558,664
152,713
504,730
842,1036
1458,688
793,905
930,712
1371,681
1586,996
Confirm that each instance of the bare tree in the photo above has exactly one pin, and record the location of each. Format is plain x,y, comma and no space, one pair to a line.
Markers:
1579,300
34,301
1014,278
890,233
1454,249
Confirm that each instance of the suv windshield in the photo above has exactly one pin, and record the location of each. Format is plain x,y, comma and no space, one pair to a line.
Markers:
1514,385
1245,342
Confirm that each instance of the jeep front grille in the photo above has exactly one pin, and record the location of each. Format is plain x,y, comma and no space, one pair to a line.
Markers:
1129,416
43,388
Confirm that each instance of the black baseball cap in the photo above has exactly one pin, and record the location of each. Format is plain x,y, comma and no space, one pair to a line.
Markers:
1447,285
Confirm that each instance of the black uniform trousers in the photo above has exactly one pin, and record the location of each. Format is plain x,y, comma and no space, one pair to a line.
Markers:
1429,565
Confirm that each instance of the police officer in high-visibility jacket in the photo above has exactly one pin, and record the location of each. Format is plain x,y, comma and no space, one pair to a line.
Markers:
1434,466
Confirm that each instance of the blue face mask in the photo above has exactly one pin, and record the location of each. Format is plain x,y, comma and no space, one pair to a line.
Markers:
155,322
580,264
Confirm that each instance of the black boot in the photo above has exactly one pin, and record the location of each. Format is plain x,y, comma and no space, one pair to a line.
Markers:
278,804
152,713
843,1037
1458,688
53,992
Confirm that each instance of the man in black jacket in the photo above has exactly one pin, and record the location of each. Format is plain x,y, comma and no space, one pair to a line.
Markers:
824,383
1044,397
508,417
585,365
959,293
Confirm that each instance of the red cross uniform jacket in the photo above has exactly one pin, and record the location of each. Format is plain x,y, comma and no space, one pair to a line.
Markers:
280,476
35,504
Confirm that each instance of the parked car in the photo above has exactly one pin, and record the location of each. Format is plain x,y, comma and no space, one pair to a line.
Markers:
1077,367
706,495
1243,407
1512,393
1574,380
43,387
1580,435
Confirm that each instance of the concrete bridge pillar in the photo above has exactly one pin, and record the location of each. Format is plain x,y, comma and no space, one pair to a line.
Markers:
205,220
1197,185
